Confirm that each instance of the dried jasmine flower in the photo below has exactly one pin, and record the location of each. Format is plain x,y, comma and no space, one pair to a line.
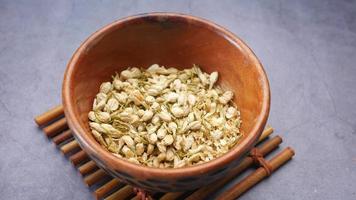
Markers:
163,117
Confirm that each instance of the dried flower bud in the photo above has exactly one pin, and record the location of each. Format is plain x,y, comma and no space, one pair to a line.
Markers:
117,83
147,115
105,87
150,99
177,112
191,99
128,141
140,148
173,127
121,97
165,116
112,105
171,97
161,133
103,117
127,152
195,125
226,97
152,138
212,79
217,134
168,140
91,116
150,149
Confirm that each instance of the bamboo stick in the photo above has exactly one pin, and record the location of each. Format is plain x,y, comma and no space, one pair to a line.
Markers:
78,157
70,146
52,129
65,135
267,132
87,168
95,177
257,176
106,188
121,194
50,115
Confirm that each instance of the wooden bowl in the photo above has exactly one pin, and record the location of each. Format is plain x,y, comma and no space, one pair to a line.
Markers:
172,40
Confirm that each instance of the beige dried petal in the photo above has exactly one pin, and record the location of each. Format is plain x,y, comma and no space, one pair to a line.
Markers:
217,134
140,112
161,133
135,72
155,106
91,116
113,147
112,105
121,97
161,147
177,112
136,97
182,99
127,152
188,142
231,112
226,97
178,142
150,99
98,137
140,128
169,154
173,127
140,148
168,140
153,92
133,160
171,97
161,157
217,122
103,116
110,129
155,69
191,100
105,87
147,115
195,125
191,117
194,158
117,83
155,120
128,141
178,162
150,149
98,105
124,116
165,116
171,70
97,127
101,97
152,138
212,79
177,85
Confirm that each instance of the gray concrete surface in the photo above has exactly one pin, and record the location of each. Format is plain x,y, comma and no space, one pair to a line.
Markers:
308,49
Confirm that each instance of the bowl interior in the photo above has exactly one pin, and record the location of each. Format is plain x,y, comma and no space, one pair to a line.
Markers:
173,42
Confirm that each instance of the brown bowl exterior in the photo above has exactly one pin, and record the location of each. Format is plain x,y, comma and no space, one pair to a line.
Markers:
173,40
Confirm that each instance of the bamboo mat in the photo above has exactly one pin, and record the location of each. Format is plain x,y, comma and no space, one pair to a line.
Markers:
54,125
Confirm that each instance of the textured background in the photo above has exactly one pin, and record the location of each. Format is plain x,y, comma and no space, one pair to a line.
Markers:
307,47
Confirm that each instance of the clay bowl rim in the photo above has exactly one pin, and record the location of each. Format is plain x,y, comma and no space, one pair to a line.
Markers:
90,145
